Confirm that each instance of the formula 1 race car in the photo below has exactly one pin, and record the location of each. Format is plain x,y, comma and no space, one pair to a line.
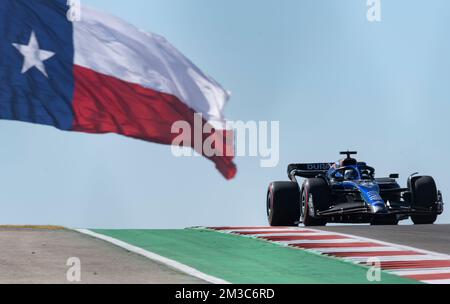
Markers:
348,192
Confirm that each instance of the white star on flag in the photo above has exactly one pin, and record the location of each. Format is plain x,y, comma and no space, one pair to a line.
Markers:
33,55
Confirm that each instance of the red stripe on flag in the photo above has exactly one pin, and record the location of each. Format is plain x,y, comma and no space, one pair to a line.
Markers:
336,245
105,104
304,237
372,254
429,277
415,264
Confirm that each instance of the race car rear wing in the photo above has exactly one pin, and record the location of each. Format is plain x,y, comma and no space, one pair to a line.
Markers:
307,170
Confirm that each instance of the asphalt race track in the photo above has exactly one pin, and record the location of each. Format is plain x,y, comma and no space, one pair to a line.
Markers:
40,255
427,237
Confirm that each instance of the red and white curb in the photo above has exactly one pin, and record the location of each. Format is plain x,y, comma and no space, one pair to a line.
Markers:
422,265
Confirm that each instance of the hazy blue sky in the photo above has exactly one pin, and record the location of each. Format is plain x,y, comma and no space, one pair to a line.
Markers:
332,79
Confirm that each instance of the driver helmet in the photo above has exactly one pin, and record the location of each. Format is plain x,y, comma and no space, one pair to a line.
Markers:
351,174
365,174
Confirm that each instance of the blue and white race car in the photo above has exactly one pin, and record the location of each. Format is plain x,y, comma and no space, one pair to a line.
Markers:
348,192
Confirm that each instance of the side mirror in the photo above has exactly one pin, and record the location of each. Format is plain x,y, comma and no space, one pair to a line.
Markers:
394,176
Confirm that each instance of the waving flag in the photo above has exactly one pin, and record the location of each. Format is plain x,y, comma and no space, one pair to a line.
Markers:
102,75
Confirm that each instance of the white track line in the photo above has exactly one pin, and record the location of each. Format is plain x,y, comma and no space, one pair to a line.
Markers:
400,258
287,234
264,229
317,241
442,282
155,257
407,272
356,249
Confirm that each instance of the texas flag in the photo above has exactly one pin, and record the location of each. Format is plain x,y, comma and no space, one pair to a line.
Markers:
103,75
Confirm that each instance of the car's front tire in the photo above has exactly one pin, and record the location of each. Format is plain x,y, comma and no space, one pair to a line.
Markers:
283,204
315,193
424,219
424,196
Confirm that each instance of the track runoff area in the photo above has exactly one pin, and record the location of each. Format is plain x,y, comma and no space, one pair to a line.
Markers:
290,255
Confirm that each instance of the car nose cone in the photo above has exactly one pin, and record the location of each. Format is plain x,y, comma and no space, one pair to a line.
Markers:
378,209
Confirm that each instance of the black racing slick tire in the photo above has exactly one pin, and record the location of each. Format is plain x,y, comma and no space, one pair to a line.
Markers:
283,204
425,196
315,196
424,219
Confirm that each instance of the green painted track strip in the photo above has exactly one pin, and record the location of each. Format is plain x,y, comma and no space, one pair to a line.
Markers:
244,260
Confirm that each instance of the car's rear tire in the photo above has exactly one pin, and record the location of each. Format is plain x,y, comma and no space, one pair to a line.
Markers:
283,204
315,193
424,196
424,219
